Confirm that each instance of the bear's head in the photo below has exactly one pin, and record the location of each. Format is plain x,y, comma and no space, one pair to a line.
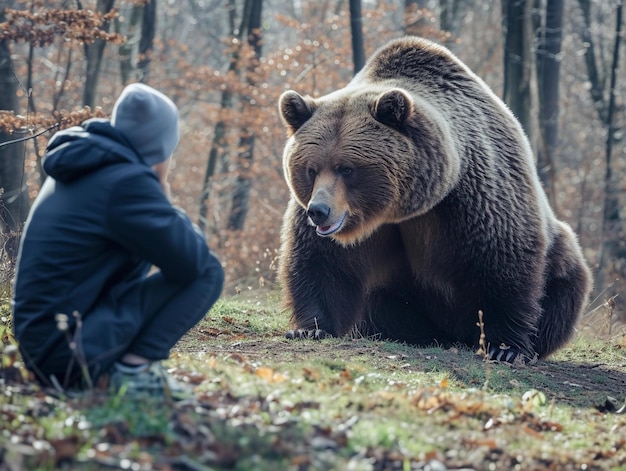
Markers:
365,156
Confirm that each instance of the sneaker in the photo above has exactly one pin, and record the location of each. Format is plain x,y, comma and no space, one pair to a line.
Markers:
148,380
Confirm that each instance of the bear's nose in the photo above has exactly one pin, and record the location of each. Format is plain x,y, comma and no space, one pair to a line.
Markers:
318,213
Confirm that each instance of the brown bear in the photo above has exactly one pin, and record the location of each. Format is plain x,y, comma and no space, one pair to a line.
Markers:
415,204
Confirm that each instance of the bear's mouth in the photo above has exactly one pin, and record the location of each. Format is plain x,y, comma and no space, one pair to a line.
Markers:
325,231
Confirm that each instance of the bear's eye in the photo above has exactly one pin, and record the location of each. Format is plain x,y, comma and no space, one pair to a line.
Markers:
312,173
345,171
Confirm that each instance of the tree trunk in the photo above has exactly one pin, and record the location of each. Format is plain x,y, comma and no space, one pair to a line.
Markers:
127,50
218,147
14,203
417,27
241,192
548,73
517,60
33,109
611,257
146,43
595,79
93,54
356,28
451,15
612,249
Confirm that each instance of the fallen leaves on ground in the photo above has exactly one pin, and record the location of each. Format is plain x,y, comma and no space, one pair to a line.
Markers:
337,423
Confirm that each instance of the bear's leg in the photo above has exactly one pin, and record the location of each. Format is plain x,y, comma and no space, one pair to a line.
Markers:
510,310
396,314
566,292
332,307
320,280
509,324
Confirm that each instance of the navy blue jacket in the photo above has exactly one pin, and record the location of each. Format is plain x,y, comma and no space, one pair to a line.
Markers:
99,223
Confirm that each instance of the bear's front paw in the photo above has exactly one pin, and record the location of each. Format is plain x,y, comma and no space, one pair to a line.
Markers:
315,334
508,354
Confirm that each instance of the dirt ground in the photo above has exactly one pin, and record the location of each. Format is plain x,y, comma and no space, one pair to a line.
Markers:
578,375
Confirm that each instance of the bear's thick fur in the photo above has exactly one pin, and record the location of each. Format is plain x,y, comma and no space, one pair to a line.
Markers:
415,204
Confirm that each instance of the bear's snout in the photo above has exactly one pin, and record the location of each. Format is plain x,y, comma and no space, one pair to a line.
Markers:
327,210
318,212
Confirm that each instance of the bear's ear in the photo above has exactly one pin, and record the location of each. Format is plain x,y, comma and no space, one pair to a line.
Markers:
393,108
294,109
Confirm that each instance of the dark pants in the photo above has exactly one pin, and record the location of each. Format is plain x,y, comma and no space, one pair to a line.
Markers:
147,320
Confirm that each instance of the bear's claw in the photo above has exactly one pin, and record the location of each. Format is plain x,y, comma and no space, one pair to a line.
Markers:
508,354
314,334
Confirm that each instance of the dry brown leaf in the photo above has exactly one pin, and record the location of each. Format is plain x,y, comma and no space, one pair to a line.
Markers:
65,448
269,375
532,432
386,395
301,461
238,358
195,378
486,442
265,373
311,375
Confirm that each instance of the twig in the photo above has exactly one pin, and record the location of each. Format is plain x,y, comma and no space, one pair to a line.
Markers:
483,348
15,141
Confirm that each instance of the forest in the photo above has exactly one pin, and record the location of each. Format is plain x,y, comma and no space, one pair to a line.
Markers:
557,64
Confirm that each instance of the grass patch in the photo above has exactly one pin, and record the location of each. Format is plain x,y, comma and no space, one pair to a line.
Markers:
263,402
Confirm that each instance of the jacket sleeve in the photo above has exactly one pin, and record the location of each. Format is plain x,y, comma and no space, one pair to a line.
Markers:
142,220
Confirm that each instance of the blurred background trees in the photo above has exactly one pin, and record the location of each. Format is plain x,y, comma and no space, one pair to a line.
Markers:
557,64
